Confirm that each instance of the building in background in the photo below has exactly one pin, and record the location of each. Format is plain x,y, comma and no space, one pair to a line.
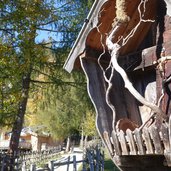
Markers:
31,138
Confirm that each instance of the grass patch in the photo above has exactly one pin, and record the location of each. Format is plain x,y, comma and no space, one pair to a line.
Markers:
108,163
44,162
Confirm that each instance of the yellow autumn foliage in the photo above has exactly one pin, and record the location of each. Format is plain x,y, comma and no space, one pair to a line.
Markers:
89,124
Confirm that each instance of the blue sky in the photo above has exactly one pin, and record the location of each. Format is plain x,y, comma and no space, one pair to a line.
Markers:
45,35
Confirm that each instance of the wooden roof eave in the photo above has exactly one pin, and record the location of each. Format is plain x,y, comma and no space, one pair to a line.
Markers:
79,45
89,30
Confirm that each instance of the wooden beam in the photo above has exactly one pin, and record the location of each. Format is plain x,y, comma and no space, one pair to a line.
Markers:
144,59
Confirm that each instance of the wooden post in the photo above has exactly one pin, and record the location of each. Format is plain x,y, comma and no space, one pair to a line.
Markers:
131,142
18,164
97,159
32,167
102,161
68,163
3,163
23,166
139,141
74,163
147,141
116,143
168,152
46,167
91,160
84,165
51,165
84,161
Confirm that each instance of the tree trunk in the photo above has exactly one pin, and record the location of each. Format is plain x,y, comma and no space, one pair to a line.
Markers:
68,144
17,127
85,142
82,139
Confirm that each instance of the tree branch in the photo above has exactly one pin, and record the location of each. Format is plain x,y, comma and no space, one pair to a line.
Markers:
42,82
50,30
114,55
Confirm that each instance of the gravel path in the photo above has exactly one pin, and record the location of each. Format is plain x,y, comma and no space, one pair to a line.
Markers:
79,156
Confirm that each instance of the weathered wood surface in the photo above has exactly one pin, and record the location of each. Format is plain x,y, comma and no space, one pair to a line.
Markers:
146,58
116,143
108,142
141,163
144,149
106,20
164,133
93,160
154,133
26,160
97,94
123,143
139,141
147,143
131,142
168,153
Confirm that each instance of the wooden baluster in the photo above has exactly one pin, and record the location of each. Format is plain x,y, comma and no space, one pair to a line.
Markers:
131,142
68,163
74,163
116,144
154,133
139,141
123,143
148,142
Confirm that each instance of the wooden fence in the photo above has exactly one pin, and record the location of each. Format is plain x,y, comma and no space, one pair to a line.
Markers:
145,141
141,142
24,160
93,160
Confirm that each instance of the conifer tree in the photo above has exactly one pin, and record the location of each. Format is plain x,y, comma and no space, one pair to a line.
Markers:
23,55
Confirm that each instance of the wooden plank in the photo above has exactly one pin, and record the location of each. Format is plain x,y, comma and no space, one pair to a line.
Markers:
147,57
139,141
23,168
102,161
68,163
3,164
116,144
131,142
51,165
84,166
154,133
91,160
123,143
97,159
97,94
164,134
33,167
165,104
148,143
169,128
74,163
141,163
108,142
168,154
